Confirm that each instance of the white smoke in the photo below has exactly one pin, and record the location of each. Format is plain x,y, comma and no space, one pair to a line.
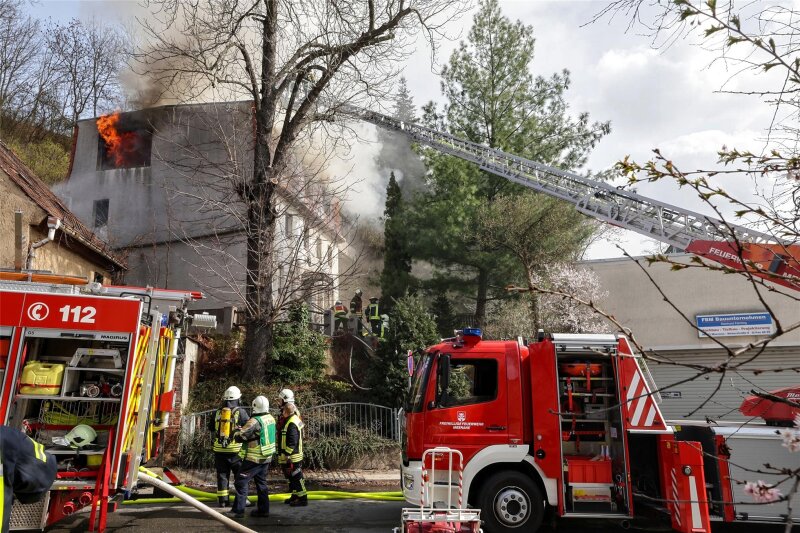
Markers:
354,166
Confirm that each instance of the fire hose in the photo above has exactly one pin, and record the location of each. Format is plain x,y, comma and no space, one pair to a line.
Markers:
202,496
180,496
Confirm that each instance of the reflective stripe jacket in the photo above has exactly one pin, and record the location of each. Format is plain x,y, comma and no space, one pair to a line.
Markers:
291,444
259,435
26,470
238,418
373,312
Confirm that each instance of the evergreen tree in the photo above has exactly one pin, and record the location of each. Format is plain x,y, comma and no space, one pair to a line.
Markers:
396,154
396,275
492,98
443,311
404,104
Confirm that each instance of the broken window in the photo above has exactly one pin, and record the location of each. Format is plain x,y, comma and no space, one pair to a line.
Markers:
123,143
101,213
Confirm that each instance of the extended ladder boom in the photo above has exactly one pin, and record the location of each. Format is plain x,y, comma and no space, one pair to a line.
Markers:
660,221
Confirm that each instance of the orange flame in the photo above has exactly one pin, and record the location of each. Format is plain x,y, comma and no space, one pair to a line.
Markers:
117,143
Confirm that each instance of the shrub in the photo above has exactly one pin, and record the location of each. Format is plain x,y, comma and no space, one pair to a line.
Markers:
411,328
196,451
342,451
47,159
298,355
208,394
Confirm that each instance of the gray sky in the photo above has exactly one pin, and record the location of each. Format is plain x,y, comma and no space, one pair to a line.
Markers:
664,98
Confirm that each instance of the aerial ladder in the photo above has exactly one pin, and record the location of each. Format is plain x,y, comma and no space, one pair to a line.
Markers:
731,245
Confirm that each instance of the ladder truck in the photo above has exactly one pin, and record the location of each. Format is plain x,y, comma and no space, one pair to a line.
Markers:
571,423
79,358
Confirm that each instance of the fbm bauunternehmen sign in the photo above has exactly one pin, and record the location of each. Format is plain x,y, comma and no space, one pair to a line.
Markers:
735,324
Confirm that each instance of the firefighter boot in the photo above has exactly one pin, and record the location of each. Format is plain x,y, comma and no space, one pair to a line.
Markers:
223,501
290,500
302,501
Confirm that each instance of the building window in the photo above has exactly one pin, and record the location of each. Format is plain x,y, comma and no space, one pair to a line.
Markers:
289,226
101,213
98,278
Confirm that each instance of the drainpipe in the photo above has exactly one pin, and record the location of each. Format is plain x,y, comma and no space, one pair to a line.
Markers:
53,224
18,238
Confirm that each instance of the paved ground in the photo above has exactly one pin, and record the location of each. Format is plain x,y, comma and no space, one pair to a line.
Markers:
345,516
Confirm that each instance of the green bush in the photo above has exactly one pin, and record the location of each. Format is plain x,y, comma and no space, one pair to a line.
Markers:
298,355
196,451
208,394
47,159
411,328
342,451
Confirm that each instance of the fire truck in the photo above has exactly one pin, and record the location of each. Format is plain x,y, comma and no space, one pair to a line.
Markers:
99,358
569,424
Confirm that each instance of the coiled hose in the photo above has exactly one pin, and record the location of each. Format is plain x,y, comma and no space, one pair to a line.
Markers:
386,496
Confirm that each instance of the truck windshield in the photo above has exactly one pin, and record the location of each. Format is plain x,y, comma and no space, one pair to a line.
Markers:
416,392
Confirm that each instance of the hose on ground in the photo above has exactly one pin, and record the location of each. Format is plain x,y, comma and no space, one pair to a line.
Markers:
180,496
203,496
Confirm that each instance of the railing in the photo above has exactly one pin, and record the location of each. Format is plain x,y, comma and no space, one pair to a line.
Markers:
340,419
321,421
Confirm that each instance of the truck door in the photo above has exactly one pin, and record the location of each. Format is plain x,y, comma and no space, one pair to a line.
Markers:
468,410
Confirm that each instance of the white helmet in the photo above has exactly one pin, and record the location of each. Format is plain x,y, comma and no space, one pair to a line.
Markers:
287,396
232,393
260,405
80,436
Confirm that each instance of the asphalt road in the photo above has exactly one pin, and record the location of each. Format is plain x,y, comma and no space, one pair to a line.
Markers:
356,516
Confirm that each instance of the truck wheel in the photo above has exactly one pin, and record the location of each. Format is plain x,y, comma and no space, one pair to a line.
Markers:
510,502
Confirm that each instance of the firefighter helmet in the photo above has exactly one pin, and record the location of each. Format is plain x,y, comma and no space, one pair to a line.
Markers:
287,396
232,393
80,436
358,292
260,405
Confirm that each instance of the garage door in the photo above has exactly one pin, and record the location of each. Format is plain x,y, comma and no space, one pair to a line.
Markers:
685,399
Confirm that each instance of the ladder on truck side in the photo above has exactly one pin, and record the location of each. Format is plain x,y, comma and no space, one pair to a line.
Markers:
445,519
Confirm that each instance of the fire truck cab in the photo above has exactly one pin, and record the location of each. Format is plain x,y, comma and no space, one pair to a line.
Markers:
567,423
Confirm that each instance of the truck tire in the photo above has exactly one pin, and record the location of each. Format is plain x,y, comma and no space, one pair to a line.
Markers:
511,502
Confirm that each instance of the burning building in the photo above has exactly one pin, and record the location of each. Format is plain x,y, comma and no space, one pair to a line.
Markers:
161,185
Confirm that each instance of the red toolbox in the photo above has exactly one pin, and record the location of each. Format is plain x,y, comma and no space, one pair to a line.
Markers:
582,469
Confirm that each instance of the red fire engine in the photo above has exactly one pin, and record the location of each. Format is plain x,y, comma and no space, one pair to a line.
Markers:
570,423
102,359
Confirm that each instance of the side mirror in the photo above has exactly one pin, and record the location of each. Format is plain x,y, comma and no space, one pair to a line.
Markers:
442,379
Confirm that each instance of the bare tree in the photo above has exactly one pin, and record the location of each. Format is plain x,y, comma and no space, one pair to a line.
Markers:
20,42
49,77
88,58
296,61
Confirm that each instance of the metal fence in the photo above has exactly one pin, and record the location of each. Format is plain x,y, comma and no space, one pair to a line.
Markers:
334,420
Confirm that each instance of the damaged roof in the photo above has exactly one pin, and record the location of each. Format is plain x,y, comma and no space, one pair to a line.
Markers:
41,195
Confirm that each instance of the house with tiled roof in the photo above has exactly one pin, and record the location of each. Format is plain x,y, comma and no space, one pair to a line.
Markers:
75,250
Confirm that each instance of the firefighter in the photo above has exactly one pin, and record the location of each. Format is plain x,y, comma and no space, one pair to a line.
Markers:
226,420
384,326
26,472
258,437
374,316
340,317
290,449
357,310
